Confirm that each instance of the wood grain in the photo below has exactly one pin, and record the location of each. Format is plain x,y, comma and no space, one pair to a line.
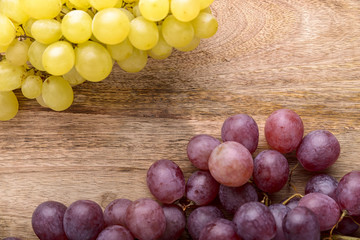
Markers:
267,54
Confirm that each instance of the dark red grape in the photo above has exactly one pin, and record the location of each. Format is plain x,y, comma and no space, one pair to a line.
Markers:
199,149
83,220
318,150
220,229
231,164
243,129
254,220
271,171
201,217
324,207
347,227
145,219
115,211
231,198
322,183
348,193
300,224
166,181
115,232
279,212
47,221
175,222
202,188
284,130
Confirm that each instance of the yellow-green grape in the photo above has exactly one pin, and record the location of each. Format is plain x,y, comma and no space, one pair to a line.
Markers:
111,26
57,93
130,1
136,10
73,77
41,9
102,4
80,4
120,51
206,10
7,30
76,26
46,31
154,10
31,87
13,10
205,25
41,102
93,61
176,33
161,50
35,53
3,48
191,46
119,4
205,3
11,76
9,105
28,25
185,10
135,63
58,58
144,34
128,13
17,52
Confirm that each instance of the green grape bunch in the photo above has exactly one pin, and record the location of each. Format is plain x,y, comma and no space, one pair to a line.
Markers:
49,46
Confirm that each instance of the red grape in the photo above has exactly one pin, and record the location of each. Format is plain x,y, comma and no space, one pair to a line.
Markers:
347,227
284,130
115,211
231,164
220,229
175,222
12,238
348,193
279,212
115,232
322,183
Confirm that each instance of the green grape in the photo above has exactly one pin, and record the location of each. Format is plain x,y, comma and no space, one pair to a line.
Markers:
9,105
57,93
46,31
206,10
154,10
191,46
28,25
41,102
17,52
161,50
80,4
110,26
205,25
135,63
41,9
7,30
31,87
176,33
120,51
3,48
76,26
205,3
11,76
13,10
102,4
73,77
93,61
136,10
185,10
118,4
128,13
144,34
58,58
35,53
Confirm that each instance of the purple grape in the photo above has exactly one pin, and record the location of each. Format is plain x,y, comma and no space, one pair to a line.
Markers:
322,183
271,171
254,220
145,219
166,181
231,198
47,221
243,129
324,207
220,229
115,211
12,238
301,223
293,203
199,149
201,217
347,227
318,150
115,232
279,212
83,220
202,188
348,193
284,130
175,222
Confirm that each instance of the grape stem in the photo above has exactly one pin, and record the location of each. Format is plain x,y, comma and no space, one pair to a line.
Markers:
290,175
266,199
344,213
340,237
291,197
354,220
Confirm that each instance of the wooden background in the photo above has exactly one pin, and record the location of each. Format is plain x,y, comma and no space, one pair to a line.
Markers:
268,54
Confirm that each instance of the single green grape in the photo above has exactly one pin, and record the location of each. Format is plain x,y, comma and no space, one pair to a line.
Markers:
11,76
73,77
144,34
35,53
102,4
185,10
118,4
205,3
31,86
81,4
7,30
154,10
58,58
57,93
135,63
120,51
41,9
176,33
9,105
191,46
28,25
17,52
46,31
13,10
76,26
128,13
205,25
161,50
41,102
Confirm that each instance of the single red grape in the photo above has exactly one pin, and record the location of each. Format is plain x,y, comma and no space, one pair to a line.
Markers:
348,193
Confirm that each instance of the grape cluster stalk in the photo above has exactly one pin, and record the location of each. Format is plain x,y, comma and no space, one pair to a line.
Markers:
49,46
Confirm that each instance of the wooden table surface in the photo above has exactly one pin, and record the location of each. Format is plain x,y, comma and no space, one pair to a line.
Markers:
267,55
